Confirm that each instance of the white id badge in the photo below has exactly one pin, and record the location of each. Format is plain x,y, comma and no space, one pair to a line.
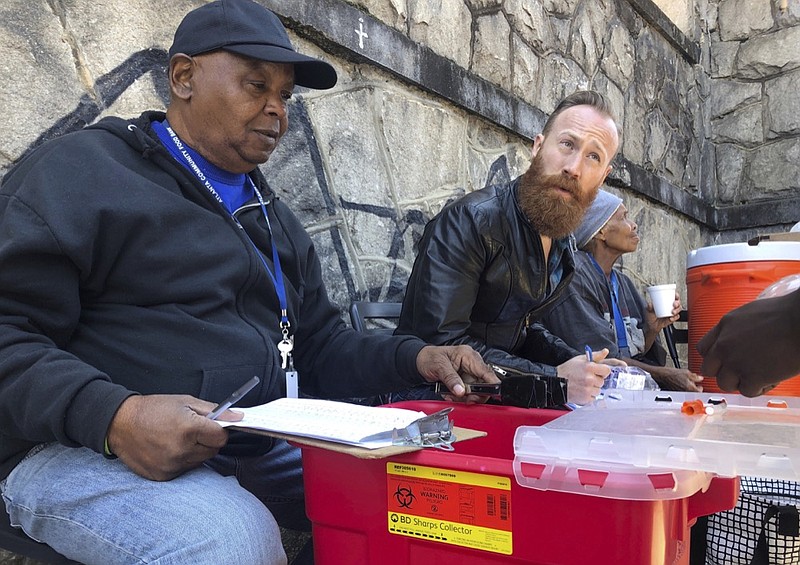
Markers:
292,384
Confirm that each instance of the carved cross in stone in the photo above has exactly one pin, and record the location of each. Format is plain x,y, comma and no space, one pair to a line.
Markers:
362,35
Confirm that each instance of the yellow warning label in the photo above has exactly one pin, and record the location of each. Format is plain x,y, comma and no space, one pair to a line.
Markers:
461,477
447,506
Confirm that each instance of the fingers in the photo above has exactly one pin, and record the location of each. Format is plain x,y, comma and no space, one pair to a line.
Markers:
468,362
706,342
227,416
161,436
752,391
612,362
585,378
600,366
694,385
711,367
453,383
448,363
767,388
676,309
598,356
434,364
582,395
695,381
711,364
726,380
467,399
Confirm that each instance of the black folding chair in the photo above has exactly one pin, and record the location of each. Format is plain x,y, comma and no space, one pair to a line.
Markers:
674,335
375,316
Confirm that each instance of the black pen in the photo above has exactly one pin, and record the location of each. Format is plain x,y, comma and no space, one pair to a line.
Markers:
233,399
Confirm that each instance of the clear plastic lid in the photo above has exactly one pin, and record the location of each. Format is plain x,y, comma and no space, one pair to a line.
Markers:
608,480
647,429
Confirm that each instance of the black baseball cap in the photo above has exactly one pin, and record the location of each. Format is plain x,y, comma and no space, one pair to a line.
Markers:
247,28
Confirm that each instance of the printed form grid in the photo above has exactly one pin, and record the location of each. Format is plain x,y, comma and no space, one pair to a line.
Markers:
325,419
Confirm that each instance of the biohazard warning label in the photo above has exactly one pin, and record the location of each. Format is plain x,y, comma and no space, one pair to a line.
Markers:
455,507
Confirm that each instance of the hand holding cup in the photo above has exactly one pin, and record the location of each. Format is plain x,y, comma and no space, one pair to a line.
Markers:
662,296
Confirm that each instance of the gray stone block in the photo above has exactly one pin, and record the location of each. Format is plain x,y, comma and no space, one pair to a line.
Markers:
744,126
589,29
529,20
729,95
445,27
769,54
783,105
526,74
787,12
393,13
741,19
560,7
775,168
39,82
730,164
491,57
723,58
618,55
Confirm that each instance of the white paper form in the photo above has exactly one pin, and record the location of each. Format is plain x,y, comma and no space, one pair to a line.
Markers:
353,424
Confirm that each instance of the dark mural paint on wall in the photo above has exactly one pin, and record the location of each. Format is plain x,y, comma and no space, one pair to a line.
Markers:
109,87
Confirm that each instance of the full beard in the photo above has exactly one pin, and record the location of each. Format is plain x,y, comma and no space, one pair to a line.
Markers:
550,212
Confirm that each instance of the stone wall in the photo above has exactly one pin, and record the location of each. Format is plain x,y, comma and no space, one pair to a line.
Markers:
754,108
438,97
680,12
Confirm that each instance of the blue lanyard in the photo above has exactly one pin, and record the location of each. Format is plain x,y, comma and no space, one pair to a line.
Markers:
619,324
277,277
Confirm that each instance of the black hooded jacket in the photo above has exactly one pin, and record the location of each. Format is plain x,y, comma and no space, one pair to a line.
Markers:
120,274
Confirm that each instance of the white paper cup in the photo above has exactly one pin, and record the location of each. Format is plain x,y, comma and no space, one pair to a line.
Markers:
662,296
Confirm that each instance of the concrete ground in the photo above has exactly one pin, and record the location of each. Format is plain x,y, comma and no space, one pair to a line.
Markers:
7,558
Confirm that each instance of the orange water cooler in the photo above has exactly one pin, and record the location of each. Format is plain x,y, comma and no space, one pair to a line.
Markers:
722,277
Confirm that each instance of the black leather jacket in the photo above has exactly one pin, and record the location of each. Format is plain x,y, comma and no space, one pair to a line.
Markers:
480,279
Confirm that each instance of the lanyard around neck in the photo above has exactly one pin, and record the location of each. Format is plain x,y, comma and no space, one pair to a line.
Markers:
619,324
277,277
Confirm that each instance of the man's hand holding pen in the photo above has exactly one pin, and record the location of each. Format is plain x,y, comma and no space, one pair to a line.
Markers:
585,375
160,436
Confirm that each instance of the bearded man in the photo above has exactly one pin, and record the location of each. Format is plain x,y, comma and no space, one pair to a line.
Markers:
489,263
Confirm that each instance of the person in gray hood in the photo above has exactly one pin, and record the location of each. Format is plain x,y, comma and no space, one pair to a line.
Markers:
602,307
146,272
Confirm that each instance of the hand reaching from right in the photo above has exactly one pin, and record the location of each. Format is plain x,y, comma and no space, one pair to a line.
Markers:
754,347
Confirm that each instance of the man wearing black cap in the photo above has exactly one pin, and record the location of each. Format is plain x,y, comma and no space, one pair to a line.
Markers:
146,271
